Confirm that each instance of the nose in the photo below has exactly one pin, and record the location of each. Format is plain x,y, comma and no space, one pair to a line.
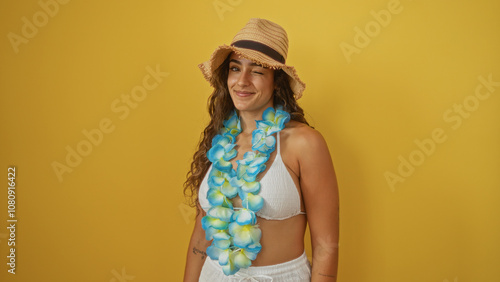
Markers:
244,79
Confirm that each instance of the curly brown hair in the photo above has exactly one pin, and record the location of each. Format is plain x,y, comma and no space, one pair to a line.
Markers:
220,106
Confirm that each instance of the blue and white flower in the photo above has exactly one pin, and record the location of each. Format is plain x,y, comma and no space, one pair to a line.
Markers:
221,153
221,181
273,121
232,127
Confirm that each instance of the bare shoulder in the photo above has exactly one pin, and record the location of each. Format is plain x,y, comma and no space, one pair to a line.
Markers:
304,150
302,137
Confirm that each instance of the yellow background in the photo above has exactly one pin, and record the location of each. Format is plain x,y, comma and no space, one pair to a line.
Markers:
119,213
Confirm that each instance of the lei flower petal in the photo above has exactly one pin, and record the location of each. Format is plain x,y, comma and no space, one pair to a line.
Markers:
241,238
250,187
215,197
263,143
230,268
221,213
224,257
258,137
208,221
253,249
221,235
244,235
241,260
223,165
229,190
260,160
212,233
281,118
233,123
248,178
252,171
252,202
215,181
209,233
213,252
236,182
264,125
250,255
220,140
268,114
216,177
244,217
222,244
215,153
230,153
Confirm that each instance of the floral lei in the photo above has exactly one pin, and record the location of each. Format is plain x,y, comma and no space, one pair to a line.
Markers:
236,235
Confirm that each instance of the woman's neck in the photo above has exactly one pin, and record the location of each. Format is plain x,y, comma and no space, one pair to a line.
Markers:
248,118
247,121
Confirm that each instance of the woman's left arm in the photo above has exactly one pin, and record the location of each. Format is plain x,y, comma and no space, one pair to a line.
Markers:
321,199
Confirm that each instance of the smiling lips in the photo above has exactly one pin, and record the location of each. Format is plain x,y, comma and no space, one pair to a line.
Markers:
243,93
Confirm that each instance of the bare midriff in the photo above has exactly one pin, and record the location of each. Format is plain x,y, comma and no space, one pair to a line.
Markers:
282,240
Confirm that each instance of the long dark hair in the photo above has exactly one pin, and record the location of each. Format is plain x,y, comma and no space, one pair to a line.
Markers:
220,106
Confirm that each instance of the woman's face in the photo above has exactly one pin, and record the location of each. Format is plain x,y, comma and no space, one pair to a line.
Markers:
250,85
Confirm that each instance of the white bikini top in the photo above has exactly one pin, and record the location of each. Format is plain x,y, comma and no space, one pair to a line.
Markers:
281,197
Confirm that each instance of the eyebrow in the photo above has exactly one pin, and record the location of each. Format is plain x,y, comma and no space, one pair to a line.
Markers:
252,64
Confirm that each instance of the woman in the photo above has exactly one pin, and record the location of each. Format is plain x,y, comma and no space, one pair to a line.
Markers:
261,173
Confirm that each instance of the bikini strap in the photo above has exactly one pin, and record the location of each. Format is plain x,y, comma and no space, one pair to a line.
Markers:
278,145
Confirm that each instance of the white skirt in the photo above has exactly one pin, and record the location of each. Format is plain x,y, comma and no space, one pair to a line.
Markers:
297,270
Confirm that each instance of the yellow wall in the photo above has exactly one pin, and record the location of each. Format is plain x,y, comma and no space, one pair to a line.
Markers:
409,212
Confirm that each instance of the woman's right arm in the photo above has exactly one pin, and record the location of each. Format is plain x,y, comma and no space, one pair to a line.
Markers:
196,254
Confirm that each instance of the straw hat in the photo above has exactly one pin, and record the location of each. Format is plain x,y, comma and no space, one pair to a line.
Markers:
263,42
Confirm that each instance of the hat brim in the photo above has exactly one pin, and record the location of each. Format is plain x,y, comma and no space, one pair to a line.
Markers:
221,53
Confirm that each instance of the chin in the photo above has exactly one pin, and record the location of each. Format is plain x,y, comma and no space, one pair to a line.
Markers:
243,105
